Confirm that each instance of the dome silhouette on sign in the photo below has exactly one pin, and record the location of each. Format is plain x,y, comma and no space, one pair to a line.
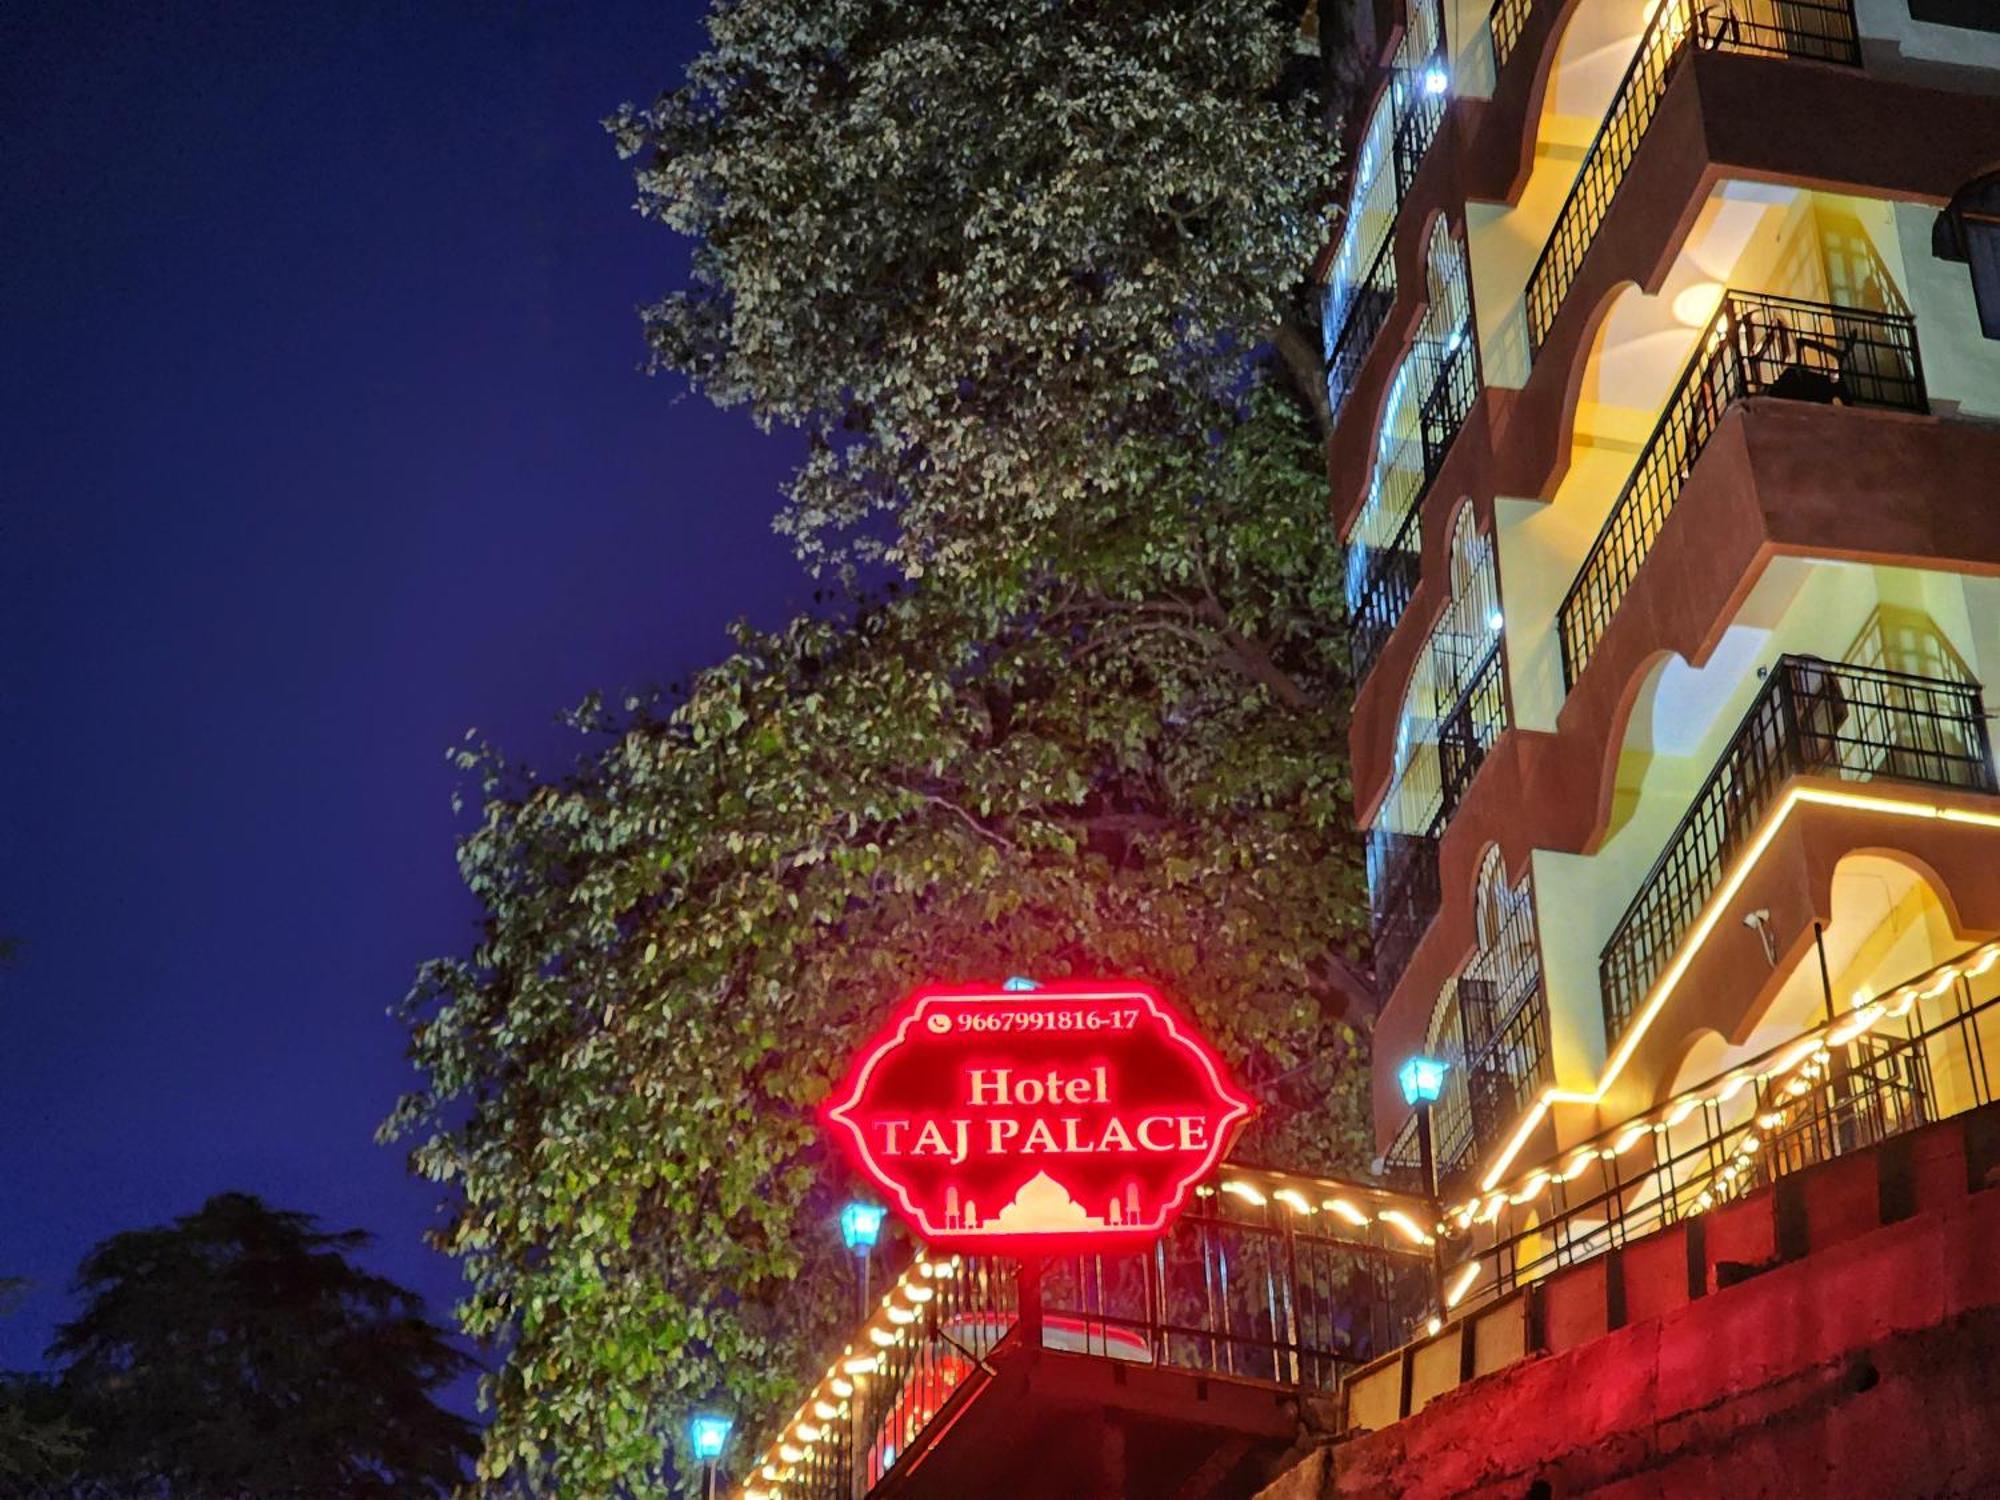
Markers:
1044,1206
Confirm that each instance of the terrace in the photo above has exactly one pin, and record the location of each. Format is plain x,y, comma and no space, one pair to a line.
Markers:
1815,30
1269,1288
1812,717
1755,346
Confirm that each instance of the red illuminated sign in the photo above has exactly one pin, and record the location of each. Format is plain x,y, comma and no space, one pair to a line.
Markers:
1068,1117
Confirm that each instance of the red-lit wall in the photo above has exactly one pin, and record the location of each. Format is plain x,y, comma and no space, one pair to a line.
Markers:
1853,1358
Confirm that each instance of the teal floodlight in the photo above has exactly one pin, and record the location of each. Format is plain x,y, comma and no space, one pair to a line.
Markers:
1422,1079
710,1435
861,1226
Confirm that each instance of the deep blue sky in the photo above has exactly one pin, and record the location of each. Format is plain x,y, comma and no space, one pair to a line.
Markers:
322,439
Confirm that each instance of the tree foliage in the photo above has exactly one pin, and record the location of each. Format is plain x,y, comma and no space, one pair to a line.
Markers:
969,247
239,1351
39,1444
1014,270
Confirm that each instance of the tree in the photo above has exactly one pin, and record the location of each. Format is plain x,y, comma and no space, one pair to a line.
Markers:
969,248
1021,273
240,1351
38,1442
686,937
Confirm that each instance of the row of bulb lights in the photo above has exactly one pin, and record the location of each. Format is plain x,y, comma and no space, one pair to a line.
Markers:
829,1403
1794,1075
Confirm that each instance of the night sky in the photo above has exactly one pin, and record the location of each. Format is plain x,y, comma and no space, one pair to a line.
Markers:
323,437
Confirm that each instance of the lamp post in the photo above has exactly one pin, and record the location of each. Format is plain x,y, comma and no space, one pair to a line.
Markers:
709,1436
1422,1080
860,1227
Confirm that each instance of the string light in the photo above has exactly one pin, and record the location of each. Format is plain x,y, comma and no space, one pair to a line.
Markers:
1463,1285
1410,1228
1808,1059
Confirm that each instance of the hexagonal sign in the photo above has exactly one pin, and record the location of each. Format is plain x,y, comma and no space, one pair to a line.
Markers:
1068,1117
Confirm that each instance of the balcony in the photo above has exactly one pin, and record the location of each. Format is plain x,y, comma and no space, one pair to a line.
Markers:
1754,346
1403,886
1357,320
1816,30
1491,1028
1918,1055
1270,1285
1403,896
1812,717
1398,135
1382,578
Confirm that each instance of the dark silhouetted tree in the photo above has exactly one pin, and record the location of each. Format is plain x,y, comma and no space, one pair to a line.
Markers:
37,1441
240,1352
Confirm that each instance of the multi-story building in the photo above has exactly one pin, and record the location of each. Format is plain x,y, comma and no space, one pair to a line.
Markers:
1663,349
1664,345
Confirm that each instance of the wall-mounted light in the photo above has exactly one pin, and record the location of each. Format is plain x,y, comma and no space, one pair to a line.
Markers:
1695,305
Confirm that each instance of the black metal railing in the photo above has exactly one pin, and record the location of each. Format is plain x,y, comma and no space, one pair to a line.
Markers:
1756,345
1268,1277
1403,888
1467,730
1367,309
1811,717
1508,21
1818,30
1492,1030
1243,1289
1416,101
1449,400
1924,1052
878,1400
1389,577
1386,577
1403,896
1420,97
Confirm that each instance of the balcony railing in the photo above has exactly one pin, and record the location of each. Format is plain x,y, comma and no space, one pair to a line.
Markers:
1755,346
1812,717
1491,1029
1387,576
1368,304
1403,887
1819,30
1925,1051
1509,20
1467,731
1268,1277
1417,90
1403,896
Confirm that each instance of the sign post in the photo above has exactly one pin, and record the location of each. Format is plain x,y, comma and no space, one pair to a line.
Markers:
1074,1117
